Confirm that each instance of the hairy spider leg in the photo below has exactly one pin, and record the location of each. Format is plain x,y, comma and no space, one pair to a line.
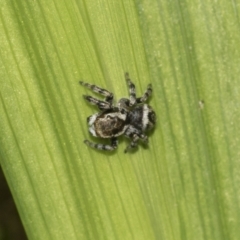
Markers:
99,146
102,105
132,90
135,136
108,95
123,105
145,95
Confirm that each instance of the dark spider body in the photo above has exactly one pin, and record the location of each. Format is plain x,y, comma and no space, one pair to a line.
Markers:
132,117
142,117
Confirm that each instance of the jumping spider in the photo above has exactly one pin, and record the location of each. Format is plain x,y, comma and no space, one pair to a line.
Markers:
131,117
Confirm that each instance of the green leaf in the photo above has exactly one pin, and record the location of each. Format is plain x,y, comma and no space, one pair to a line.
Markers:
185,184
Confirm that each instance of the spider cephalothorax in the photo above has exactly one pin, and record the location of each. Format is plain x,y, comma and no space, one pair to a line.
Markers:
131,117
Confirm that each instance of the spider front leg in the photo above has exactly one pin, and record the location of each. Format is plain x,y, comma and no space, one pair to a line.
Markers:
108,95
105,147
146,94
132,90
135,137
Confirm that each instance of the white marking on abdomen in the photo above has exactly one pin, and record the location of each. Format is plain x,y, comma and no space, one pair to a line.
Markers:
92,119
92,131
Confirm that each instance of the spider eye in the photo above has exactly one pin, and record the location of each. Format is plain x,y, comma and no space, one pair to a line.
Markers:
152,117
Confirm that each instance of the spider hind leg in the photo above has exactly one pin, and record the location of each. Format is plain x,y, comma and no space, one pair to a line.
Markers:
102,105
108,95
104,147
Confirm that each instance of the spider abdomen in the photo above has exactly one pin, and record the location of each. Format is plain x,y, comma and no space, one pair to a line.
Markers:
107,124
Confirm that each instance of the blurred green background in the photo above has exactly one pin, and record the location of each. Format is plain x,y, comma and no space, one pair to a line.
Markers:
185,185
